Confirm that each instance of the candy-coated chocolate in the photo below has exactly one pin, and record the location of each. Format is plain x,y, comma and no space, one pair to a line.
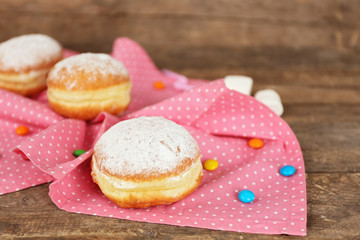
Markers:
211,164
256,143
287,170
246,196
22,130
159,85
78,152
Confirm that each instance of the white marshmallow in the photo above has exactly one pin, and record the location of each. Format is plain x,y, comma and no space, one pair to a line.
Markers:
241,84
271,99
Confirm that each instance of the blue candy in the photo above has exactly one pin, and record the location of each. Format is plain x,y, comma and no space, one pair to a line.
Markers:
246,196
287,170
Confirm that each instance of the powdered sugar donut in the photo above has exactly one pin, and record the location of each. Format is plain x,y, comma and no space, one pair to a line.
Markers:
25,62
146,161
84,85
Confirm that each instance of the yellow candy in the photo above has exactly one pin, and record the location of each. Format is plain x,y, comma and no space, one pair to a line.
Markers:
211,164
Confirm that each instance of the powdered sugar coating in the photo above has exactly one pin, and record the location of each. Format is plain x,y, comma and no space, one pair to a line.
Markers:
94,65
28,51
148,146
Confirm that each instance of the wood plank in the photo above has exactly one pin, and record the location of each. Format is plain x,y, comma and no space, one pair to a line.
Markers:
314,66
333,212
314,95
312,113
270,65
305,75
308,51
337,207
336,133
78,31
328,135
329,147
332,160
300,12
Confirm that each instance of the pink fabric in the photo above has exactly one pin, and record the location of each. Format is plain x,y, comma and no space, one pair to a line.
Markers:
221,120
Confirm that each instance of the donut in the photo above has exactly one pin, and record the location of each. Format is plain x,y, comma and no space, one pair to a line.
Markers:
146,161
25,62
84,85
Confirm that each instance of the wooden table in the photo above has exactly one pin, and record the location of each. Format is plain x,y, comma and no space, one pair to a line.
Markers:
308,51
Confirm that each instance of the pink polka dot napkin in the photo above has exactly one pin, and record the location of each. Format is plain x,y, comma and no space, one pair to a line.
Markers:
221,120
35,113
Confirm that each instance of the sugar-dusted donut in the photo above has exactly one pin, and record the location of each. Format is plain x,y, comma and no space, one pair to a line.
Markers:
145,162
25,62
84,85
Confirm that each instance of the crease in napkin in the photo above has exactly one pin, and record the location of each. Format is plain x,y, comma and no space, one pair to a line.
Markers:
221,120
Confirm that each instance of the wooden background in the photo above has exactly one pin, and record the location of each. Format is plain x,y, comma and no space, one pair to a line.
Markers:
306,50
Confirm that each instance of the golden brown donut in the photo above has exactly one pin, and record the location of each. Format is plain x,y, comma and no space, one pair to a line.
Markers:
25,62
84,85
146,161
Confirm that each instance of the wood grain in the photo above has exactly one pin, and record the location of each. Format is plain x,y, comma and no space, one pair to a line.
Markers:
249,23
329,215
308,51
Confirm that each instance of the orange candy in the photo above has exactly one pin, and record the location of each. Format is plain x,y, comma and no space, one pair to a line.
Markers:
159,85
256,143
22,130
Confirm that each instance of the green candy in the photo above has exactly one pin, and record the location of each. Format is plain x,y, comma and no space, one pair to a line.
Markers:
78,152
